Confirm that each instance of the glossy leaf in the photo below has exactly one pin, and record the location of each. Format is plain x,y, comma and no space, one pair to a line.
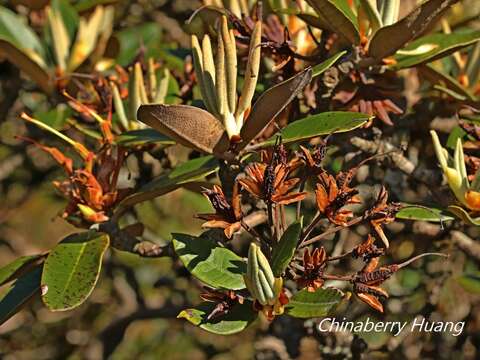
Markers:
270,104
189,171
284,251
188,125
306,304
10,271
390,10
71,270
22,290
423,214
389,39
215,266
436,46
143,137
339,16
322,67
239,317
320,124
463,215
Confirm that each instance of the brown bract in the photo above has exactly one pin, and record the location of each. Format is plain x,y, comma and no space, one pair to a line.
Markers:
367,250
314,264
271,183
313,158
366,284
331,198
227,215
382,213
92,191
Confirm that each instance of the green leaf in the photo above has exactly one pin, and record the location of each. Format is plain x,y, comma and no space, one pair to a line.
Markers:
390,10
14,29
143,137
431,47
320,68
339,16
470,282
389,39
238,318
69,16
437,77
10,271
463,215
411,212
131,39
19,293
72,269
374,17
284,251
84,5
215,266
456,133
189,171
320,124
306,304
56,117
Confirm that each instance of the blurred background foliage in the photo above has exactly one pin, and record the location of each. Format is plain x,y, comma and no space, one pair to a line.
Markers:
131,313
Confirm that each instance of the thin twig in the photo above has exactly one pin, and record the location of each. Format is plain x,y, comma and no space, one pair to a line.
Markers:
310,227
299,204
331,231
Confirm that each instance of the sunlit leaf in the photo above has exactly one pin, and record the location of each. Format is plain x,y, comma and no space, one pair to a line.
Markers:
13,28
238,318
389,39
423,213
215,266
320,124
306,304
71,270
436,46
322,67
374,17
